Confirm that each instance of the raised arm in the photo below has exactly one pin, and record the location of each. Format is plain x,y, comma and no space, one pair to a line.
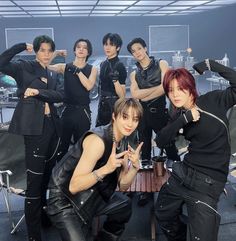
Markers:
60,67
228,96
8,67
89,82
129,170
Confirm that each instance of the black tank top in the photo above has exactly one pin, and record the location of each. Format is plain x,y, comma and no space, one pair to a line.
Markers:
75,92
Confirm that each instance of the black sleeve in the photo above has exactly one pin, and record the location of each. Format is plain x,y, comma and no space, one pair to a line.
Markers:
122,73
169,132
226,98
8,67
52,95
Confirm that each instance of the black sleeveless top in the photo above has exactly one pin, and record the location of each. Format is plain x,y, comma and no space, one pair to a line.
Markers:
63,171
150,77
75,92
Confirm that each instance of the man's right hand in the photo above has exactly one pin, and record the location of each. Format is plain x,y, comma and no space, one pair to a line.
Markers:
61,52
29,47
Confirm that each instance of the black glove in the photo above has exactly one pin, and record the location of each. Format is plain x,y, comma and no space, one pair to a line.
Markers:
73,69
114,75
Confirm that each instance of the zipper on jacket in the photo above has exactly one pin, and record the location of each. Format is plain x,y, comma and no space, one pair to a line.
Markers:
217,118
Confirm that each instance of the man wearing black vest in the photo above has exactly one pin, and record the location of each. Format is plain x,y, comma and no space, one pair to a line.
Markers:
111,79
146,85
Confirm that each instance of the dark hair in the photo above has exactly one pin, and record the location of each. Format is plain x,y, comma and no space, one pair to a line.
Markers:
184,78
114,38
43,39
136,41
123,104
89,46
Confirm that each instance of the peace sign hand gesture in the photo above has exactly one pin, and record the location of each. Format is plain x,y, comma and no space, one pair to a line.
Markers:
134,155
115,160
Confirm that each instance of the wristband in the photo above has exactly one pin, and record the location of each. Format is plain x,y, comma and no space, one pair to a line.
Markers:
98,179
114,80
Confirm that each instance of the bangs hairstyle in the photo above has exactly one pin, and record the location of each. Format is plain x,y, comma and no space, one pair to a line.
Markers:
123,104
185,81
136,41
114,38
43,39
89,46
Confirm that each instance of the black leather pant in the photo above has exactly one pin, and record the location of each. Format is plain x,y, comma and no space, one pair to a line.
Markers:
105,110
72,228
38,152
200,194
76,120
153,120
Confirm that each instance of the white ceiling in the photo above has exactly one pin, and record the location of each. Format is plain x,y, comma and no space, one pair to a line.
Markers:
67,8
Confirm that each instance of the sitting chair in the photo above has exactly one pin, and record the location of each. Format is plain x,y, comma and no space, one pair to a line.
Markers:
12,171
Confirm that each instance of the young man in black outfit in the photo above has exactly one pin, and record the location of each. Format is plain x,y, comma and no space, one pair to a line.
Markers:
112,78
79,79
35,117
146,85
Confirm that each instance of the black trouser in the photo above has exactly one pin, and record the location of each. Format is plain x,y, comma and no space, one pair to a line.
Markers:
153,120
39,160
71,227
105,110
76,120
200,194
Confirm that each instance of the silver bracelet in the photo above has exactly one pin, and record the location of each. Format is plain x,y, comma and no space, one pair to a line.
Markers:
208,64
98,179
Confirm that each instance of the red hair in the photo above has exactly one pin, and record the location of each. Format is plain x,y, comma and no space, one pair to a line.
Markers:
184,78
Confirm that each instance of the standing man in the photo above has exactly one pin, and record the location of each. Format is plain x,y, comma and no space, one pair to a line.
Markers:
146,85
112,78
35,117
79,79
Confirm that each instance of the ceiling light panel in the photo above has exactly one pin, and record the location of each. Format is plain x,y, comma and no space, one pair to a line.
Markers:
6,3
102,15
9,8
167,12
142,8
126,3
222,2
189,3
74,12
154,3
64,3
134,11
40,8
75,7
111,7
75,15
35,3
206,7
43,12
175,8
17,13
100,11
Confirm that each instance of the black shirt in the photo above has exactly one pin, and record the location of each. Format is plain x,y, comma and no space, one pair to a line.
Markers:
105,80
75,92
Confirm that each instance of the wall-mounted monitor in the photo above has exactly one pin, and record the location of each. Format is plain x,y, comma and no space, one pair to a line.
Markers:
25,35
